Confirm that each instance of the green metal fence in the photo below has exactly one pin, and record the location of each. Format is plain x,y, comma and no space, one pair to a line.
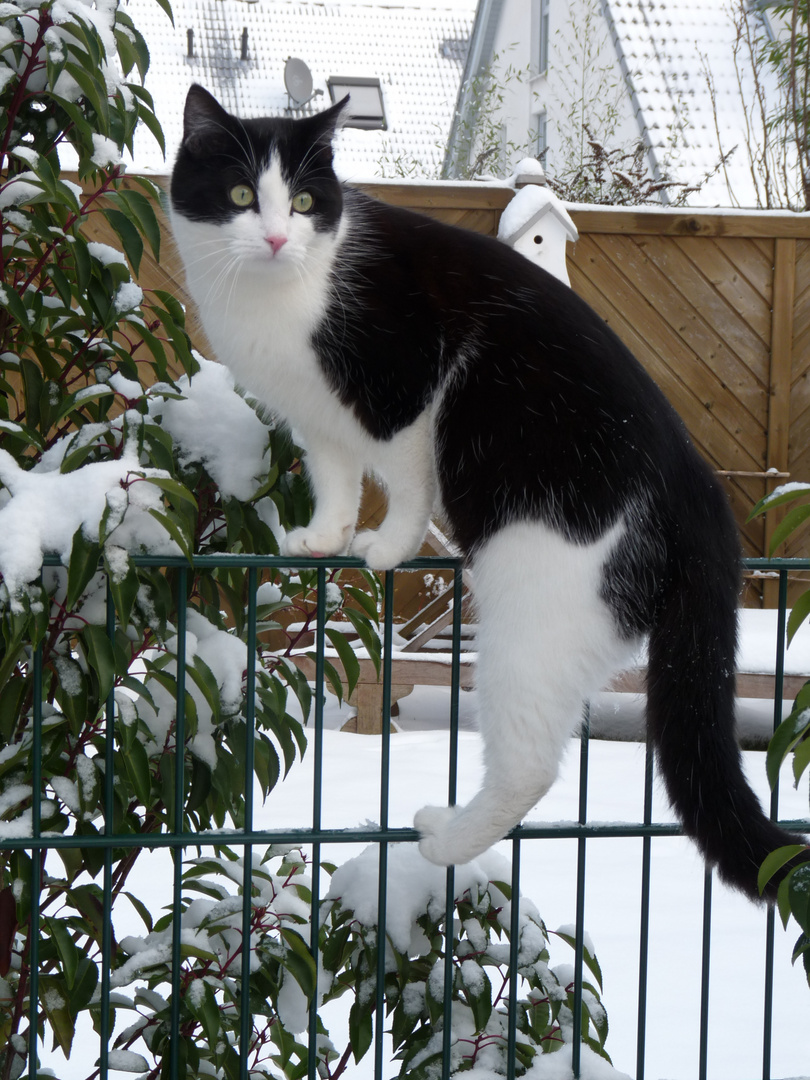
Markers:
314,835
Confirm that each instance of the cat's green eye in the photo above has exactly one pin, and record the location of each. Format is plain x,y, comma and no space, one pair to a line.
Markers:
302,202
242,195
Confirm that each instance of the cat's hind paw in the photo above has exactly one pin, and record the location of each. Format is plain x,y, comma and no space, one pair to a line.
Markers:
443,836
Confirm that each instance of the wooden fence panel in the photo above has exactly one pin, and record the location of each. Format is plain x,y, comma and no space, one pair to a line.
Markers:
676,302
717,308
799,427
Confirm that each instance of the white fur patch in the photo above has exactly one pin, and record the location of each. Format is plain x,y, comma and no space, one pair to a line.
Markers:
546,642
260,310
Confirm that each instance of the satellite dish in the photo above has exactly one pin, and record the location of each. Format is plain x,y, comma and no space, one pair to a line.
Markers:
298,80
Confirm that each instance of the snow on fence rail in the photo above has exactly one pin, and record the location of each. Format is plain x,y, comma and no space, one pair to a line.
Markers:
303,824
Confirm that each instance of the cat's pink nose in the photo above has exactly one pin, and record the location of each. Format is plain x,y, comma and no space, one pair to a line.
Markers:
276,243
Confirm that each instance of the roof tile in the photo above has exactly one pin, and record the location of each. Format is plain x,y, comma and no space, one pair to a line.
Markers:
417,52
671,46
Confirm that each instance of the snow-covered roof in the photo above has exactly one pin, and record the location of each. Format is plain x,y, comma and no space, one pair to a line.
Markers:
416,50
670,51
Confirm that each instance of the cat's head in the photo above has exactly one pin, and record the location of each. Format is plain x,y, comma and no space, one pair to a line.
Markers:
266,187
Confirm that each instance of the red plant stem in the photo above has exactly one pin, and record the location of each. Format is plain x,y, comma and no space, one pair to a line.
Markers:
44,22
47,257
342,1064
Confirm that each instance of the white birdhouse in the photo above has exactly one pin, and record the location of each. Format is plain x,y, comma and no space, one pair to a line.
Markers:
536,224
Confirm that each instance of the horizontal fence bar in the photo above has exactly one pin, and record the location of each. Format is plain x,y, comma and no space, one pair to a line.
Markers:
761,563
243,561
563,831
423,562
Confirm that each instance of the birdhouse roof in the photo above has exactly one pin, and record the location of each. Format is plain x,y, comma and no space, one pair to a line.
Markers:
529,206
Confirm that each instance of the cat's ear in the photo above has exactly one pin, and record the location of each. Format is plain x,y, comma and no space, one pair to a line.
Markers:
331,120
339,112
203,119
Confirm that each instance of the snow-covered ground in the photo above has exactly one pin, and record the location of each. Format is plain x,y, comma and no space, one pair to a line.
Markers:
419,764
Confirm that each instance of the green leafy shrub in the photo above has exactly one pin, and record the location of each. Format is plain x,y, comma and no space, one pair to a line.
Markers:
117,440
415,967
284,978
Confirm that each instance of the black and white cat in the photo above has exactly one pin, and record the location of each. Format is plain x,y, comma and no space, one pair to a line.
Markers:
454,369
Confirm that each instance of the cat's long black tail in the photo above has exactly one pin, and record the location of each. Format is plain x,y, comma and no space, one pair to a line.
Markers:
690,707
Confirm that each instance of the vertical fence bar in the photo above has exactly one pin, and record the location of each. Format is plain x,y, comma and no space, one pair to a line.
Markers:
385,770
177,850
579,940
317,811
36,866
514,950
246,1017
447,1018
767,1003
703,1060
455,687
452,795
109,828
770,924
644,927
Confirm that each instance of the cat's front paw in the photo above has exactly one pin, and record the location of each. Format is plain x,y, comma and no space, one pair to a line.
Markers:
443,842
380,551
316,543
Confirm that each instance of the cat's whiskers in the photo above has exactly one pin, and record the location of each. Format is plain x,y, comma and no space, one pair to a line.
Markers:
241,137
303,169
213,266
216,273
223,278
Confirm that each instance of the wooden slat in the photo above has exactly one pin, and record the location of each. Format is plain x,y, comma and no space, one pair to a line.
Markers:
689,323
698,273
405,674
747,684
799,440
801,316
799,446
644,222
739,274
784,294
420,196
634,309
651,316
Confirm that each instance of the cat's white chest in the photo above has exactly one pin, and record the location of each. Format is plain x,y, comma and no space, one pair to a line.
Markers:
260,320
265,336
